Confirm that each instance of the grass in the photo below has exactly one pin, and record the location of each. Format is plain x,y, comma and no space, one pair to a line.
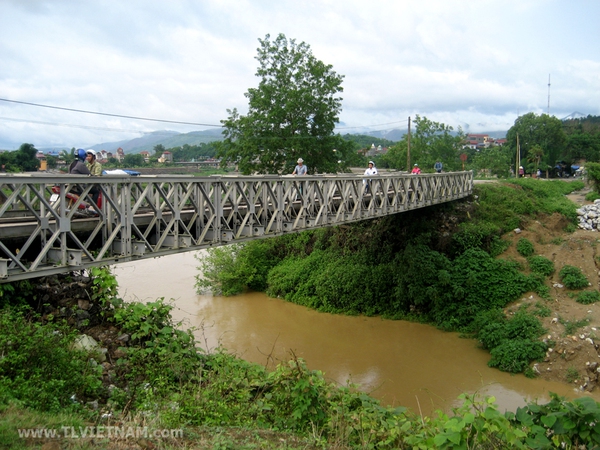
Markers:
70,428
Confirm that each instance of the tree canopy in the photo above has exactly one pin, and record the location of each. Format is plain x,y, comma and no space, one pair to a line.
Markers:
291,114
22,160
538,134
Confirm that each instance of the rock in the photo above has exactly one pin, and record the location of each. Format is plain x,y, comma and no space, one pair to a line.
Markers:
84,304
86,343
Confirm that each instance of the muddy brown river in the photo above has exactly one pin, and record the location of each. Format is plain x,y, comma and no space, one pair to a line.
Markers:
398,362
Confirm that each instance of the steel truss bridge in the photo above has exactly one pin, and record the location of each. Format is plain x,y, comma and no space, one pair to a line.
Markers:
43,232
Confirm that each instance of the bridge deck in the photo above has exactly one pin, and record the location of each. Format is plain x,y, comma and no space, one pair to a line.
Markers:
150,216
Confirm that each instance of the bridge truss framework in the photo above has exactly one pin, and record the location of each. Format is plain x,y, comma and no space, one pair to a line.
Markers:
151,216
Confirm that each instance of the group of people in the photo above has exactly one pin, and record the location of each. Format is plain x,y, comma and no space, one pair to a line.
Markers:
302,169
86,164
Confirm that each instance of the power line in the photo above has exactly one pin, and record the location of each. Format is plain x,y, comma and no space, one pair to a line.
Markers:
108,114
85,127
136,118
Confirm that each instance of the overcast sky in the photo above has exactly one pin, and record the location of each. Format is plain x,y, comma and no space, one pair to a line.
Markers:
477,64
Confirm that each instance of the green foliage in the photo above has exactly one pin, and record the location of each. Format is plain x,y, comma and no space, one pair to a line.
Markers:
482,235
515,355
38,367
494,160
292,113
560,423
572,277
525,247
544,132
571,326
164,354
592,170
430,142
572,374
133,160
512,343
588,297
541,265
220,272
479,282
18,293
22,160
541,310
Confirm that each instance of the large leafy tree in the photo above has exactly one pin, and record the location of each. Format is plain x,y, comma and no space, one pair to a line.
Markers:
535,132
291,114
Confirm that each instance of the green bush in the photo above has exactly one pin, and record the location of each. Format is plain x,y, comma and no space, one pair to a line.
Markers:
525,247
39,368
541,265
572,277
514,355
588,297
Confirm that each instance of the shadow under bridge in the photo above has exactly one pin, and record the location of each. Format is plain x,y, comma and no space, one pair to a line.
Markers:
45,229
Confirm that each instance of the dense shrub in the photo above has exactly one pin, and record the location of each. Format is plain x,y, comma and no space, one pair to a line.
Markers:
541,265
478,283
525,247
572,277
588,297
39,368
514,355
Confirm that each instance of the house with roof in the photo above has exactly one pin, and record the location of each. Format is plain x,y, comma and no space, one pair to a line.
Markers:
146,155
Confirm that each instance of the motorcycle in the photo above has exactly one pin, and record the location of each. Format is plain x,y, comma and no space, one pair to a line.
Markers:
72,198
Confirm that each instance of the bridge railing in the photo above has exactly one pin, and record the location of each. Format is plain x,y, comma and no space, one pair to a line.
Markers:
45,229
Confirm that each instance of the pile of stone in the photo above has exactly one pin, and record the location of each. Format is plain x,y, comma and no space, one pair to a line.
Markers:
589,216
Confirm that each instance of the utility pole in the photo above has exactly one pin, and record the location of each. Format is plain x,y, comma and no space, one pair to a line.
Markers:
408,148
518,160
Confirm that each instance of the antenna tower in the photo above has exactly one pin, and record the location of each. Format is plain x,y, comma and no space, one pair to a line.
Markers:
548,94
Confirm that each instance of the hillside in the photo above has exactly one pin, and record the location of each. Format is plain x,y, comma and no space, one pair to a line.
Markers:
168,139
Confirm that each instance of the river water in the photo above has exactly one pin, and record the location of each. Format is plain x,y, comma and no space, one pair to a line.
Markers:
398,362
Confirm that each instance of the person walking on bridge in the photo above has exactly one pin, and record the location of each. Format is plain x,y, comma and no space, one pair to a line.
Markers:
438,167
300,169
416,170
371,170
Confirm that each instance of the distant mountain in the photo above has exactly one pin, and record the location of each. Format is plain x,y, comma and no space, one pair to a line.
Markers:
391,135
397,135
171,139
168,139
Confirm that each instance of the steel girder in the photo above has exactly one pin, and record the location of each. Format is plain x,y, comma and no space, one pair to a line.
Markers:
150,216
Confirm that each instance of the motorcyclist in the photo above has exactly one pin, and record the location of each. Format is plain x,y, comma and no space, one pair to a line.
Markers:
92,164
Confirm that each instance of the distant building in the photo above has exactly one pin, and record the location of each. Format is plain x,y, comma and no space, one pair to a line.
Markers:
120,154
479,141
167,156
146,155
102,156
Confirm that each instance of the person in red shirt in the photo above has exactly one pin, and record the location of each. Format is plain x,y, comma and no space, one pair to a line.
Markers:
416,170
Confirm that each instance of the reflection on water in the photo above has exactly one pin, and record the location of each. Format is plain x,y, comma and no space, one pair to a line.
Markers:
401,363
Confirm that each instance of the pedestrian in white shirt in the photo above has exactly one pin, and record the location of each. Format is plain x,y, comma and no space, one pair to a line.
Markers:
372,170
